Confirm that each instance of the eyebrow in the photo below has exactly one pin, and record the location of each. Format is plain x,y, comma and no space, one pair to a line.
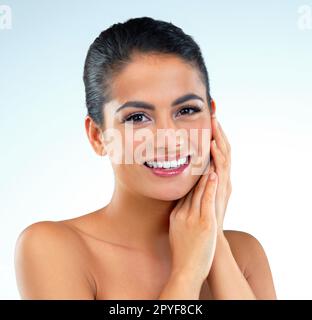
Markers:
146,105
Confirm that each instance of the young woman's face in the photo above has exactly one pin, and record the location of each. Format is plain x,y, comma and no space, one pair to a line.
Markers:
159,80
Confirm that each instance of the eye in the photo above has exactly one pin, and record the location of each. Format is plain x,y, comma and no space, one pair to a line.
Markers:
135,118
187,110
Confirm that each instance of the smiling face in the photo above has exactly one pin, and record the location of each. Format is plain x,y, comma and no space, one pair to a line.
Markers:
169,97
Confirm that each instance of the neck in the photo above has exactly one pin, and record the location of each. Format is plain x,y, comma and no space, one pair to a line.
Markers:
142,222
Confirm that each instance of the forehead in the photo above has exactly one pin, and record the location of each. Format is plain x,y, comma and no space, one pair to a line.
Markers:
156,78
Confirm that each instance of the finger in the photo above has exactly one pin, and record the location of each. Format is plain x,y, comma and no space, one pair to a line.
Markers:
198,192
228,146
218,156
208,200
212,165
186,204
216,134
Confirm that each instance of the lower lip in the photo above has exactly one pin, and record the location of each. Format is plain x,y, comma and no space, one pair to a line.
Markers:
161,172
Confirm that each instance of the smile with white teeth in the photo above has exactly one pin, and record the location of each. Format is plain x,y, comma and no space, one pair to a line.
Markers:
167,164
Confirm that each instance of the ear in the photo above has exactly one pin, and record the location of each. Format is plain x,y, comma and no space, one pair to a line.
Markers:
94,134
213,106
213,112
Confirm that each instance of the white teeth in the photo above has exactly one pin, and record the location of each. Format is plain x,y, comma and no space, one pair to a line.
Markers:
159,165
174,163
167,164
182,161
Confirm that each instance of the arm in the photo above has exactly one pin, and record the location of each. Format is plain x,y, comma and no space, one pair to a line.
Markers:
242,252
192,236
48,264
240,269
181,287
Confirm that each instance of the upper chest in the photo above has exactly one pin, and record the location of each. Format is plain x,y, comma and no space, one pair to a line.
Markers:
121,273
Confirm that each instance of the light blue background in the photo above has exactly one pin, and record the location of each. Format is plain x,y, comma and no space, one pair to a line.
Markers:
260,70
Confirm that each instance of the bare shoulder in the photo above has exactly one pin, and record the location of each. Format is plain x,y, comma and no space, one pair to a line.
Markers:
55,234
240,236
252,261
243,242
49,262
245,247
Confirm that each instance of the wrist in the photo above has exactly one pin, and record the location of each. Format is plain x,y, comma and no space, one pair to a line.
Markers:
222,249
179,286
220,233
188,279
222,241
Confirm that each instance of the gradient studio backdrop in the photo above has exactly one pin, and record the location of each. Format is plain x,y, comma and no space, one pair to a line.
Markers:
258,56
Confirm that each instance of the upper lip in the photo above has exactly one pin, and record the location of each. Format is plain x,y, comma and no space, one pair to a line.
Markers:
168,158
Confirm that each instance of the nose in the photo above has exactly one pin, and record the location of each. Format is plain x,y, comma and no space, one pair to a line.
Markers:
167,135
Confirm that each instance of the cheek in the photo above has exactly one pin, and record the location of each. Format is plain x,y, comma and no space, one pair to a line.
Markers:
136,146
200,136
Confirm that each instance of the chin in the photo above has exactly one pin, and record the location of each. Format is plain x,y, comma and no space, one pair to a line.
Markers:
168,193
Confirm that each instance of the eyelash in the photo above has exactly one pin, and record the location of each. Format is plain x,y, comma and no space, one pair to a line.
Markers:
129,117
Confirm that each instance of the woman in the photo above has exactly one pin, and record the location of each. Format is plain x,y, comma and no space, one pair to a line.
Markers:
161,236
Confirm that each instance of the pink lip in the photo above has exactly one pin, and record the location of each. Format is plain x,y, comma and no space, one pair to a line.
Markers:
161,172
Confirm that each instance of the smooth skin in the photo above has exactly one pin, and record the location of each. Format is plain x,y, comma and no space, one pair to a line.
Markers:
153,240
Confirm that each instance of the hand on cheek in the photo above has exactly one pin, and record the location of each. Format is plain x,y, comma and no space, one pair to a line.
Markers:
221,164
